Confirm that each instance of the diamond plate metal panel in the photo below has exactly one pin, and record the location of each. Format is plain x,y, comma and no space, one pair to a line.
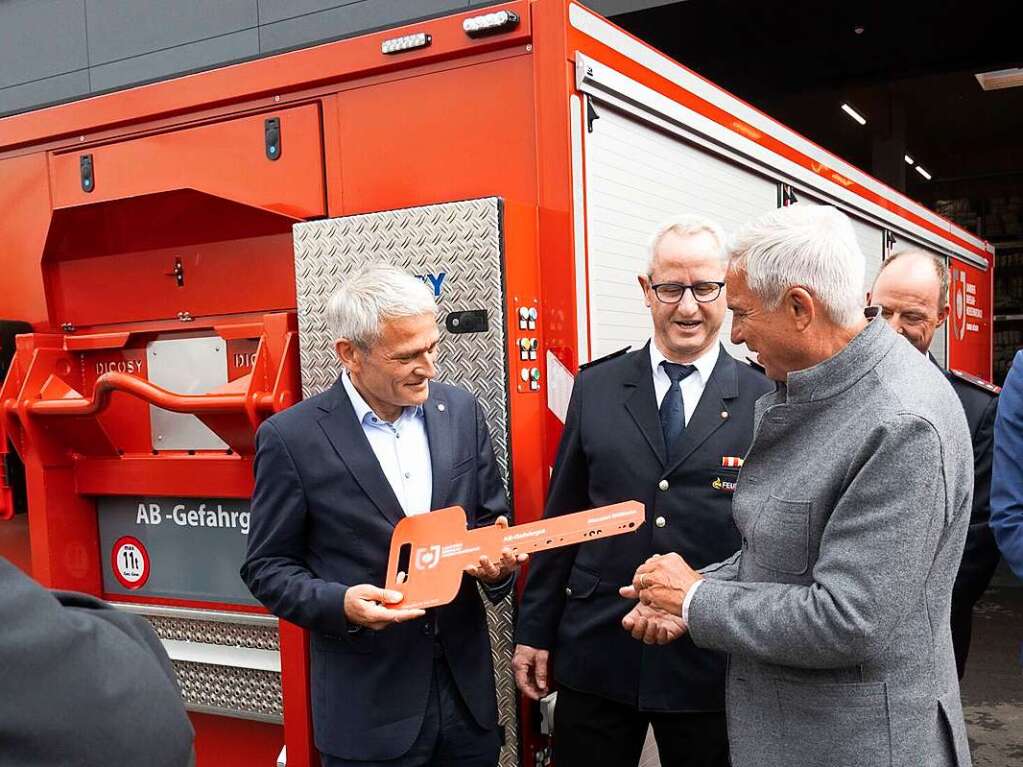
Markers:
215,632
240,692
463,241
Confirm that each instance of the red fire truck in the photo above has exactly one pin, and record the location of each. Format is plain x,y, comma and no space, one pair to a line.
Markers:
166,252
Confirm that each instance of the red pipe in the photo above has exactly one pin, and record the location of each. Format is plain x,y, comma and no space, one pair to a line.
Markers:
108,383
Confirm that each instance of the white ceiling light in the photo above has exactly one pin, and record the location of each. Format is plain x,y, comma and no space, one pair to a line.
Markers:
854,114
1001,78
923,173
909,160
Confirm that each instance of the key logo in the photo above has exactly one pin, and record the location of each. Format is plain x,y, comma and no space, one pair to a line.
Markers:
427,557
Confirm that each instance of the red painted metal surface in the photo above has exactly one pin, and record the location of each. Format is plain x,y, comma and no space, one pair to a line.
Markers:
221,740
59,403
14,545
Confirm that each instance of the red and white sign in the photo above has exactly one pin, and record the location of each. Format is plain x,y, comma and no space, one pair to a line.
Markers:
958,301
130,562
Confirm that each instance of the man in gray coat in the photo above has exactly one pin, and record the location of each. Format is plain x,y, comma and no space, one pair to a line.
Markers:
853,504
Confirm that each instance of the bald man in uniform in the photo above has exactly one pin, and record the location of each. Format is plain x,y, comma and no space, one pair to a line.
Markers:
912,289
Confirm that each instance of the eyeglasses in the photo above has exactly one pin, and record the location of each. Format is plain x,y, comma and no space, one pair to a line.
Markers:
673,292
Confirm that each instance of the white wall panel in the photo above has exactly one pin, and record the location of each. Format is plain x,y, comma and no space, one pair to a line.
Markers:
636,178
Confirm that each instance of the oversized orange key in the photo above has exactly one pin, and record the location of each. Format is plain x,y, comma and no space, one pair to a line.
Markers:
429,552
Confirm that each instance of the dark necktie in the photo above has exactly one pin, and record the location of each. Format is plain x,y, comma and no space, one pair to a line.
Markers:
673,421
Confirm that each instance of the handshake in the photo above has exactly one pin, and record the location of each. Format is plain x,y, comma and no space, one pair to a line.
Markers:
660,585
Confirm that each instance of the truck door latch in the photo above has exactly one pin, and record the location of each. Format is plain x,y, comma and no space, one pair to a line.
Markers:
178,273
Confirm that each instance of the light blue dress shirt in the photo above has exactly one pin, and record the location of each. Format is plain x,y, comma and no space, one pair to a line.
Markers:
402,450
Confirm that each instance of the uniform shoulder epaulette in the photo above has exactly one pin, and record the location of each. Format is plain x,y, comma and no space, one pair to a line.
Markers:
980,383
756,365
605,358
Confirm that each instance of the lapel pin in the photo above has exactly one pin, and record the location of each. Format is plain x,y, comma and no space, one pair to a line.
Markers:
731,462
440,406
724,414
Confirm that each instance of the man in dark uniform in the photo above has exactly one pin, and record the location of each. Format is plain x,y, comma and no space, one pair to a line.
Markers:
912,289
666,425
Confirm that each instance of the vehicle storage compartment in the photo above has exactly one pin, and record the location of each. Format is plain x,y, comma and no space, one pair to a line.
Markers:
157,227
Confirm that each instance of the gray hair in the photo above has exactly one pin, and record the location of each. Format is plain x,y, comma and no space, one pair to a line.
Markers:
811,246
940,269
686,225
372,294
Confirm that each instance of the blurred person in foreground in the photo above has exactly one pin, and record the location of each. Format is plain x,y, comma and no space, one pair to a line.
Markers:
83,684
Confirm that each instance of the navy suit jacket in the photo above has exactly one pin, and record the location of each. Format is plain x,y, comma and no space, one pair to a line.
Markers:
612,450
1007,476
322,517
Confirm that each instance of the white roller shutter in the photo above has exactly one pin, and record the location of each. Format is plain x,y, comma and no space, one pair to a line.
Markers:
871,240
636,178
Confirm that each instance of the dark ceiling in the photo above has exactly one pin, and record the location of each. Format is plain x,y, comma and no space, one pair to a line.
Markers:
910,64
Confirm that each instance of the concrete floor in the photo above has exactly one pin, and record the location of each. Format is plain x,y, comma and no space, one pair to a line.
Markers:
992,687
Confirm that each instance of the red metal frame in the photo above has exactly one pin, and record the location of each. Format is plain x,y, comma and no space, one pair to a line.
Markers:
181,178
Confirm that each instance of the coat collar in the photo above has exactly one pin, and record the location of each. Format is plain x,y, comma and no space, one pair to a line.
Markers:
345,433
839,372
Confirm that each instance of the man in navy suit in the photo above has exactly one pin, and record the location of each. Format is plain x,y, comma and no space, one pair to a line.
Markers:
667,425
334,474
1007,484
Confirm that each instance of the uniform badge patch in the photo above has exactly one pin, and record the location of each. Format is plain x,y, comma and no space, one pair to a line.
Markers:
724,485
727,485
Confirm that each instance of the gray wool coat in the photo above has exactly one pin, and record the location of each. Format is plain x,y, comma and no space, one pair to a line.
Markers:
853,505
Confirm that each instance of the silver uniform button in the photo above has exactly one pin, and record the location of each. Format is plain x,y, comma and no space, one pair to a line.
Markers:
660,522
568,592
663,484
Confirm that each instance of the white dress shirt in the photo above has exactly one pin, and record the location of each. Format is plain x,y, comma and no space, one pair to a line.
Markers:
692,386
402,450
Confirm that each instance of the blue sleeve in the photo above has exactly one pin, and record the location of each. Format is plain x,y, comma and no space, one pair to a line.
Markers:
1007,470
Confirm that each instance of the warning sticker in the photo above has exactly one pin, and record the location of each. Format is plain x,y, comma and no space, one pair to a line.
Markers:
130,562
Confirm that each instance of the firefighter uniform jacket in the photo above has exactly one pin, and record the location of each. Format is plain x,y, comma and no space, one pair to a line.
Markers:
612,450
980,557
